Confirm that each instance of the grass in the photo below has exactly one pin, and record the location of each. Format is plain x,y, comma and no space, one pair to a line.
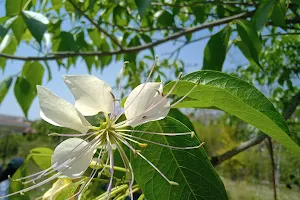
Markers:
247,191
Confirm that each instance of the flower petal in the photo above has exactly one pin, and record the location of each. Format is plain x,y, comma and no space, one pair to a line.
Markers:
146,105
92,94
72,148
59,112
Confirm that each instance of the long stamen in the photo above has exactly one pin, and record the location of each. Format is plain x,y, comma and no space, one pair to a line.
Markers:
126,163
111,168
144,84
150,163
32,187
93,173
192,133
72,135
163,145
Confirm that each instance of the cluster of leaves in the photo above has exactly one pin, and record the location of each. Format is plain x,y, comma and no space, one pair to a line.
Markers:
101,32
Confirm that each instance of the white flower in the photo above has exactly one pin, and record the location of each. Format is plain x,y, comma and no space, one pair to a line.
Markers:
73,156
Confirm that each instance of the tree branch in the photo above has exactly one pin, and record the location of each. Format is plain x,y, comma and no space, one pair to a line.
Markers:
287,113
203,2
60,55
113,39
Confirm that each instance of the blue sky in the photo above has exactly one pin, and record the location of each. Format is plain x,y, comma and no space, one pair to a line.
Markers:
192,54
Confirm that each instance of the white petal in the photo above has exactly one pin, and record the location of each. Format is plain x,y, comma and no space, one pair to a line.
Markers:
72,148
60,112
92,94
150,96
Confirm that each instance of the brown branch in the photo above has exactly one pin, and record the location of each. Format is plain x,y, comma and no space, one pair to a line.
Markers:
60,55
113,39
287,113
203,2
271,152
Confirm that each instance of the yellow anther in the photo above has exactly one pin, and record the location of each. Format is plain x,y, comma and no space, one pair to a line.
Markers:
142,145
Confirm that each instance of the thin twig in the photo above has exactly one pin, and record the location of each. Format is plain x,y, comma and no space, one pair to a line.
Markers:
271,152
287,113
113,39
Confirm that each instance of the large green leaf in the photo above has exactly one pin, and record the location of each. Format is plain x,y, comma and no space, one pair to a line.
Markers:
36,23
191,169
278,13
237,97
25,86
42,157
14,7
4,86
251,43
8,46
263,13
18,28
216,49
142,6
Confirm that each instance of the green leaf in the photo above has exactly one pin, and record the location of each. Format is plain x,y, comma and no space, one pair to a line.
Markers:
25,86
263,13
296,2
216,49
18,185
199,12
237,97
14,7
42,157
191,169
251,43
36,23
7,46
142,6
18,28
177,114
278,13
164,18
65,42
4,87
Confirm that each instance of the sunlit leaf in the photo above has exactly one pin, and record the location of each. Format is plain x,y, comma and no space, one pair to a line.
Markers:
18,28
36,23
237,97
42,157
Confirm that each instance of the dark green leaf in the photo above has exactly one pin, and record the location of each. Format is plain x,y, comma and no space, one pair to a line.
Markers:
237,97
36,23
263,13
278,13
18,28
164,18
251,42
199,12
216,49
177,114
4,87
119,16
65,42
296,2
14,7
25,86
191,169
142,6
18,185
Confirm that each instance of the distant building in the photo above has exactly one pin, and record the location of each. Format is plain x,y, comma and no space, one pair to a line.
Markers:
14,123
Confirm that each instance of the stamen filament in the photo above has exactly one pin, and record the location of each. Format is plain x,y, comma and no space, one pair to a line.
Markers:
192,133
150,163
